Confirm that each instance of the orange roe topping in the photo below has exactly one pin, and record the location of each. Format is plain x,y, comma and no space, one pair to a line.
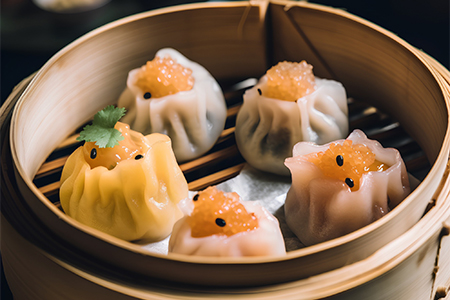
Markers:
110,157
164,76
347,162
216,212
290,81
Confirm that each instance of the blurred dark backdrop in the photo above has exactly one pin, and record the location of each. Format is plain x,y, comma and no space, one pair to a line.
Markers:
30,35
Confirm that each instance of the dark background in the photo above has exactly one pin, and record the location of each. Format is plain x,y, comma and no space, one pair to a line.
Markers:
30,36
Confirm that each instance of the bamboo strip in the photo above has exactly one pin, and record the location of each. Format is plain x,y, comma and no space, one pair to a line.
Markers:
208,159
50,189
215,178
232,111
51,167
226,133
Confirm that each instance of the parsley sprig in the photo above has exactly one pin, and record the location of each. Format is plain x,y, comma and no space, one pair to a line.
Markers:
102,130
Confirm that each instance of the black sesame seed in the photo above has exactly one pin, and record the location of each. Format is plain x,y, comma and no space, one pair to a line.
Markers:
220,222
139,156
93,153
349,182
259,92
339,160
147,95
195,197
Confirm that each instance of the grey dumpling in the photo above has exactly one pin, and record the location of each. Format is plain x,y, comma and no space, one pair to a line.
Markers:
268,128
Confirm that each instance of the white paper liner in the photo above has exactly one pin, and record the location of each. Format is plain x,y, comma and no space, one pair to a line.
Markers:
267,189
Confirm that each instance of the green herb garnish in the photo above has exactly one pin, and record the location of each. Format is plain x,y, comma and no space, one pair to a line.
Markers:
102,130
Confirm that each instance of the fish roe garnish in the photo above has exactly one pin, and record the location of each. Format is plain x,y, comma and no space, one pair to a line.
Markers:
109,157
164,76
219,213
347,162
290,81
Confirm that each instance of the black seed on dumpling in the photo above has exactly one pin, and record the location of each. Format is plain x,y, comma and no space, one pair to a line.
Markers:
195,198
220,222
259,92
147,95
139,156
340,160
349,182
93,153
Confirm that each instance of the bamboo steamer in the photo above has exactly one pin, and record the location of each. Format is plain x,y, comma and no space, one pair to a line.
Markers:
234,41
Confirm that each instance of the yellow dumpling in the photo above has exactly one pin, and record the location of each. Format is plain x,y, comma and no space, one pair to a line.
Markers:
135,199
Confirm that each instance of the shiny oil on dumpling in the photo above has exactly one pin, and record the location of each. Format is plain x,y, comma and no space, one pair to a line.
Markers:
129,191
178,97
219,224
342,186
286,106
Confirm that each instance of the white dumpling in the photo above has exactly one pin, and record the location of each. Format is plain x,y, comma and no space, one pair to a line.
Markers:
265,240
268,128
193,119
320,208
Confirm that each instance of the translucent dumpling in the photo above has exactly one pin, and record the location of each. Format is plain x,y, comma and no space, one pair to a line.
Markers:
342,186
219,224
178,97
286,106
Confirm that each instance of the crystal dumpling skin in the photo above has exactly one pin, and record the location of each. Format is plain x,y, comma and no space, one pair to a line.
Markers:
319,208
233,228
193,117
267,128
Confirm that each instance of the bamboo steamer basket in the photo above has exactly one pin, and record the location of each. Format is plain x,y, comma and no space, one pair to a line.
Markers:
234,41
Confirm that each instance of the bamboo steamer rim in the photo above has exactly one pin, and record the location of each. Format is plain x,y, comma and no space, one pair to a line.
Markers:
135,248
437,168
321,286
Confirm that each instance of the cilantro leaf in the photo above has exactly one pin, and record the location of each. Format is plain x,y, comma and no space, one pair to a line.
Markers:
102,130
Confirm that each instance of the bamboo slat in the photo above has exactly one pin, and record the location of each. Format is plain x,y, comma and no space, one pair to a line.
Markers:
362,116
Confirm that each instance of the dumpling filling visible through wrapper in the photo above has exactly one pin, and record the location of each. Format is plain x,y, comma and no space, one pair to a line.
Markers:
319,208
267,127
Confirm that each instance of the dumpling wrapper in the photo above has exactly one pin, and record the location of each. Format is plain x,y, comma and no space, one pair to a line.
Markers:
267,128
266,240
318,208
193,119
135,200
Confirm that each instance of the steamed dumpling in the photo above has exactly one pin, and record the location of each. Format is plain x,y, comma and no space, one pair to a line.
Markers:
219,224
178,97
286,106
342,186
130,190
